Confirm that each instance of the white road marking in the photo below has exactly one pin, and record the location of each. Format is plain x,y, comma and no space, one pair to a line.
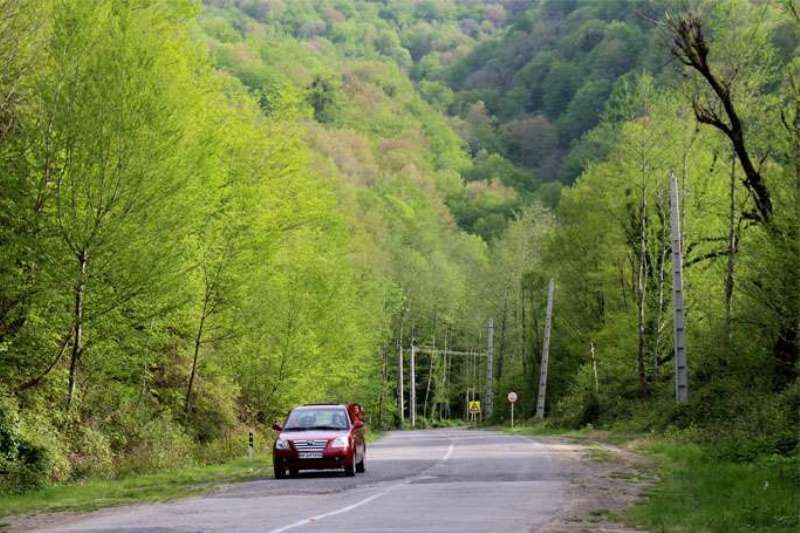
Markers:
448,454
332,513
358,504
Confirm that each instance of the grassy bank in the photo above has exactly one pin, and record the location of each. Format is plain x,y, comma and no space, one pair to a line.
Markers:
93,494
698,492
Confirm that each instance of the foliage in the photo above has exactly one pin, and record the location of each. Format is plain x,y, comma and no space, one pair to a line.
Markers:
211,213
548,87
702,493
158,486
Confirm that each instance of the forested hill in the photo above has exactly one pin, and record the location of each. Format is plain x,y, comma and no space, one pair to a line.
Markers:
520,81
213,212
546,80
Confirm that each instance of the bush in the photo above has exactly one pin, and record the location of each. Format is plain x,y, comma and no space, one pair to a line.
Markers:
30,456
30,470
214,409
157,445
231,446
741,424
90,453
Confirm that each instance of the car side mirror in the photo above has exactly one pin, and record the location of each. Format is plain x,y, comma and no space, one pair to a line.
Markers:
358,424
277,427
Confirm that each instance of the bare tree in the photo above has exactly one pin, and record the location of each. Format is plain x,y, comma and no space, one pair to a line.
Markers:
688,44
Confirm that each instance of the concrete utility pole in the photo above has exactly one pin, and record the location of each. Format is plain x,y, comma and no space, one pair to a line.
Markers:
412,394
681,371
548,322
488,400
400,401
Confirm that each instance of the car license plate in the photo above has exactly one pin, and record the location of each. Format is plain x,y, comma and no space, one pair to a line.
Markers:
310,455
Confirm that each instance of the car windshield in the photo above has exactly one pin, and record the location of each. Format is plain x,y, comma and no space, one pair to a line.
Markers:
317,418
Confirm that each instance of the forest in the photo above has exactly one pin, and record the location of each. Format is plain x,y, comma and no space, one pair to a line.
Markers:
213,211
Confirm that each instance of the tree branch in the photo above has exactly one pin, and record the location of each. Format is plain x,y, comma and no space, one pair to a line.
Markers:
689,46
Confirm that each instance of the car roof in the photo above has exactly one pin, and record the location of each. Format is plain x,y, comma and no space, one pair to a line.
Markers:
310,405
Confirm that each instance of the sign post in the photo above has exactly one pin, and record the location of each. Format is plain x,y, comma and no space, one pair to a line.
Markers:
512,398
474,409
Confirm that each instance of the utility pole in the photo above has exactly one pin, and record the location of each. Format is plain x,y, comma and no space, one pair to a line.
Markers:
548,322
412,394
488,400
681,371
400,402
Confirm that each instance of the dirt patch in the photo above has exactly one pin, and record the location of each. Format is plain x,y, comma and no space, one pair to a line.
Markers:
606,480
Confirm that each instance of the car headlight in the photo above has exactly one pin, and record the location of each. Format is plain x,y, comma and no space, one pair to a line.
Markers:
339,442
281,444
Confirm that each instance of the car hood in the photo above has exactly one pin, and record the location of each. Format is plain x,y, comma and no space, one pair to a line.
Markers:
317,434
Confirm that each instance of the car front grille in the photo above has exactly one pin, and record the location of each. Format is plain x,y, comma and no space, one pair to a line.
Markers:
317,445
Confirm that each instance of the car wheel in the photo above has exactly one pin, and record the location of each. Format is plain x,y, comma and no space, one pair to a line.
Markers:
280,471
361,467
350,470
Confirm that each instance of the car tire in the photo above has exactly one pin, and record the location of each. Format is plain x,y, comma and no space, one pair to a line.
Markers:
279,470
361,467
350,470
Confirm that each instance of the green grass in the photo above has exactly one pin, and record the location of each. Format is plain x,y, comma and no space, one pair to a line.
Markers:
93,494
696,491
700,493
586,435
540,430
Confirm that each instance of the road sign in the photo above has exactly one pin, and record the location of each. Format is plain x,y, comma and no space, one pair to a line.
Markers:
474,407
512,397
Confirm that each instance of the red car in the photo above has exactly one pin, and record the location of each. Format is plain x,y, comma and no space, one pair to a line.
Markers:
320,437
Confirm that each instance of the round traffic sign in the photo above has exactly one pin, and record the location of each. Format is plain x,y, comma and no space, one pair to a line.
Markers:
512,396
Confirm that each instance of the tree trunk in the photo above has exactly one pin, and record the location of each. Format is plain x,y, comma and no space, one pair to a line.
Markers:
431,356
443,406
664,248
59,355
77,342
198,340
524,332
502,344
383,386
594,367
641,300
730,273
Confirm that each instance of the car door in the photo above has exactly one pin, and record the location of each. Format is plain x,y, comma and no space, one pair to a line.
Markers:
358,437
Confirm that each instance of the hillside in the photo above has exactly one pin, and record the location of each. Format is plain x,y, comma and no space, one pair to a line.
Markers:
213,212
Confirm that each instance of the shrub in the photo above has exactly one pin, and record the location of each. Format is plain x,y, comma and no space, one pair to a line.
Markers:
159,444
30,455
90,453
231,446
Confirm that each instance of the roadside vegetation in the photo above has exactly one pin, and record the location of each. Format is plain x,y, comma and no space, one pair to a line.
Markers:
135,488
213,211
167,484
690,487
701,491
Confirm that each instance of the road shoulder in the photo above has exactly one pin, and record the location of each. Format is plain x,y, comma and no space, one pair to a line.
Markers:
605,480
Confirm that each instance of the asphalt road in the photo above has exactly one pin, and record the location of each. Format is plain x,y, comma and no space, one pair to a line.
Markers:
445,480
